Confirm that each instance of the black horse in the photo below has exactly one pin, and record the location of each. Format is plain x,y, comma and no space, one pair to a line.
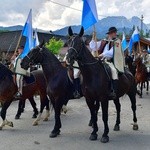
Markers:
96,85
59,87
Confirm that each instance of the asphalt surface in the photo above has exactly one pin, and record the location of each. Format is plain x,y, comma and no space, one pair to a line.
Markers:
75,131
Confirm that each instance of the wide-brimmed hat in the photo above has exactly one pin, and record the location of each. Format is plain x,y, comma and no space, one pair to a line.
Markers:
112,29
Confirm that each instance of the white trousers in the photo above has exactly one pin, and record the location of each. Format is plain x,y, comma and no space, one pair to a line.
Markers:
19,79
113,70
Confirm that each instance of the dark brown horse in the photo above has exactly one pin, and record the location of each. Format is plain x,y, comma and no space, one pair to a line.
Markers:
59,87
34,88
96,86
141,75
7,91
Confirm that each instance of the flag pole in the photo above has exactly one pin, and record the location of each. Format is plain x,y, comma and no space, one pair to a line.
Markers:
95,39
18,43
139,47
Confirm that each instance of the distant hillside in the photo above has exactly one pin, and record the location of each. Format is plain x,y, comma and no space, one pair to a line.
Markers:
121,23
12,28
148,25
18,27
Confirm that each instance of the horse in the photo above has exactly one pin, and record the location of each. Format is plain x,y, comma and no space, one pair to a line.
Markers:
141,75
29,90
7,91
60,89
129,62
96,86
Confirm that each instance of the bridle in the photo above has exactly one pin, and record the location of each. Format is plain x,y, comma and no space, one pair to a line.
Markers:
32,61
78,54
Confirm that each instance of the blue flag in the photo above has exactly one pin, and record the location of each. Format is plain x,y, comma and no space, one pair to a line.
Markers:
134,38
124,42
35,39
89,13
28,33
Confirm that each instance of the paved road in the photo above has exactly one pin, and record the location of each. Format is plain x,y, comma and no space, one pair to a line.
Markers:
75,131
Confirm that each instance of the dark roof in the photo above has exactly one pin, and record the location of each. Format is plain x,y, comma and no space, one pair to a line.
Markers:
9,39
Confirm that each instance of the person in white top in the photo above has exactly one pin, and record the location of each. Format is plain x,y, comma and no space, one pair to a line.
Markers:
106,51
19,75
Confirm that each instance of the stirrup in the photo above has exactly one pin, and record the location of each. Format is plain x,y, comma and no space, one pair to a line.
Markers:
18,95
113,95
76,95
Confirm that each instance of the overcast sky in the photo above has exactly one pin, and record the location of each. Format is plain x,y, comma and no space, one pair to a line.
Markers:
50,16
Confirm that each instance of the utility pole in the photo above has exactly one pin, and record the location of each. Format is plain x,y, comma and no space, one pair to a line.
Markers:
142,19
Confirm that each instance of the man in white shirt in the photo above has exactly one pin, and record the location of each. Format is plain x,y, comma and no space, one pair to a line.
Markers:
19,71
106,51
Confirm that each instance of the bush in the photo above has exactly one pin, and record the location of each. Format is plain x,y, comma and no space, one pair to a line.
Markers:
54,45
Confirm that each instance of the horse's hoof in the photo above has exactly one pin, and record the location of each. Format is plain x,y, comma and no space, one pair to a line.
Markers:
116,128
17,117
11,124
135,127
93,137
90,123
54,134
147,93
35,123
105,139
34,116
1,128
45,119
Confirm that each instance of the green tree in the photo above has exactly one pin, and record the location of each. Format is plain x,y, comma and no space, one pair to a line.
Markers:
54,45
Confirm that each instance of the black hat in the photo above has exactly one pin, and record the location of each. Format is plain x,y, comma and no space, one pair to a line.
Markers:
112,29
20,47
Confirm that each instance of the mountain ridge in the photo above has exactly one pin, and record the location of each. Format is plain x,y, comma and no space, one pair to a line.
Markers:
120,22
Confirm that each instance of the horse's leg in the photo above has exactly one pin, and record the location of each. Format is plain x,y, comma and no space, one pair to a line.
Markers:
23,105
91,105
147,88
19,109
47,109
57,108
132,97
64,108
33,104
105,137
3,115
97,106
35,123
118,109
141,89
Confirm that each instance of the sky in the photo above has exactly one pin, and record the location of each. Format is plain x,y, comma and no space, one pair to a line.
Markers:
51,16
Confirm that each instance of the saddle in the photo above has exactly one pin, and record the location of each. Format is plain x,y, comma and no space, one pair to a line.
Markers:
28,80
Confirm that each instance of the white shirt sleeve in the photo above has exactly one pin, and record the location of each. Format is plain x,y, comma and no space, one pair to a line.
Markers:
94,45
108,53
65,58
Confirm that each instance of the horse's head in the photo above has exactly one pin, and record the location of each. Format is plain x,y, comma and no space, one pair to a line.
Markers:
33,57
75,46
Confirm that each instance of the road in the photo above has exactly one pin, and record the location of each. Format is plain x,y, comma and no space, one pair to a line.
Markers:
75,131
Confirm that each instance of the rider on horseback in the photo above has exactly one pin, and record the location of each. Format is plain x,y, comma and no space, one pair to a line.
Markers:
106,51
19,71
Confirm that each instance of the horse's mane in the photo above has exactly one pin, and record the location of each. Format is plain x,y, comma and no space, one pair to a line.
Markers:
48,52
